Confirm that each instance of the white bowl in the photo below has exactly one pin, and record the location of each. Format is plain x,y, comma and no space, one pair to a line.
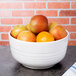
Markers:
38,55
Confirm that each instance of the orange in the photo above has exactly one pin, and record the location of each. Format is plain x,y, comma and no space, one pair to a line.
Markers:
44,37
26,36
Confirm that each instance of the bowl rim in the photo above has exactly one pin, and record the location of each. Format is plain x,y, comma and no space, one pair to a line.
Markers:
39,42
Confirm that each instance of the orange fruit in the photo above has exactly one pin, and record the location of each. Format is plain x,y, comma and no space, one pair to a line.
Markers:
44,37
26,36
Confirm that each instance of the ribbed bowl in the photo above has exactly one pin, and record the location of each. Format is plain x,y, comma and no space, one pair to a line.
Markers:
38,55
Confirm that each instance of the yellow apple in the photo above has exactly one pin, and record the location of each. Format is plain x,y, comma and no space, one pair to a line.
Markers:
17,29
28,27
52,25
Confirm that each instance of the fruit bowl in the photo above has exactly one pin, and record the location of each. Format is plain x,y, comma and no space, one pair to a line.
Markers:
40,55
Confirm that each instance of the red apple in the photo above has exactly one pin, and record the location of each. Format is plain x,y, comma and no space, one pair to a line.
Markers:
26,36
38,23
58,32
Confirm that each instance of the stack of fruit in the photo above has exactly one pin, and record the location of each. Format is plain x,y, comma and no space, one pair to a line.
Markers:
38,30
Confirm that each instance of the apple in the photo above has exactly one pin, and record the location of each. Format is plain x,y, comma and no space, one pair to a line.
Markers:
52,25
28,27
19,26
26,36
38,23
17,29
58,32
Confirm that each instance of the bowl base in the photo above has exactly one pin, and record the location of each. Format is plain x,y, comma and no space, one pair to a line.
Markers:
37,67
